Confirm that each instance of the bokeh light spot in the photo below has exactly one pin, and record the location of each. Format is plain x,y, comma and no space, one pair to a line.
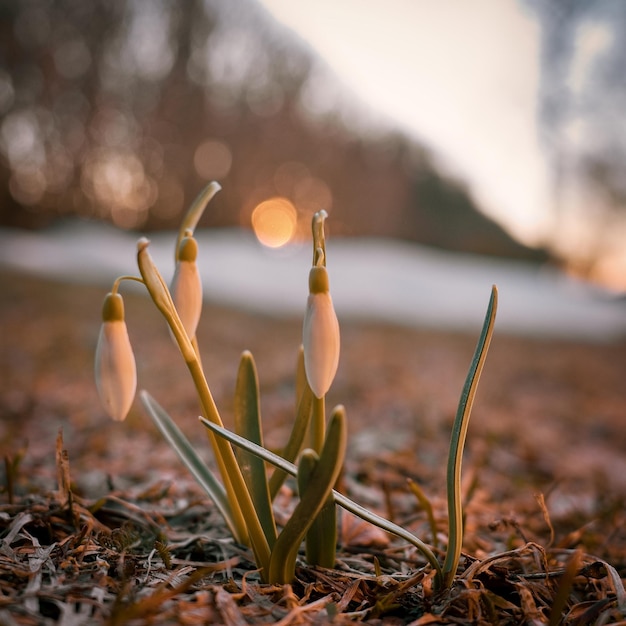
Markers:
274,222
72,59
309,193
117,182
27,185
212,159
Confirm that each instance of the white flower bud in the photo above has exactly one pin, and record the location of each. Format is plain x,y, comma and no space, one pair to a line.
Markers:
116,373
186,287
320,334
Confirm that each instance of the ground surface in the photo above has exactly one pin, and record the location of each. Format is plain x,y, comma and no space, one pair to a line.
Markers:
544,473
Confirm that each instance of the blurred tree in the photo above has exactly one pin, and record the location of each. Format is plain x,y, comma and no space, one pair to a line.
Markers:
443,212
122,110
582,104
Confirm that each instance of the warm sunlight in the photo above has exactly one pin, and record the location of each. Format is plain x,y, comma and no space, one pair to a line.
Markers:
274,222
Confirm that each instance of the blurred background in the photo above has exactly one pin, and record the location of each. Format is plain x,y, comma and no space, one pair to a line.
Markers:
494,127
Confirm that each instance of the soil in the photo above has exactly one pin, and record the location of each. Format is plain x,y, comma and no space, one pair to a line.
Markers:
138,541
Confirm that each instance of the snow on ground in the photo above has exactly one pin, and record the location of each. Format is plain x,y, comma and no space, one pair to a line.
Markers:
370,279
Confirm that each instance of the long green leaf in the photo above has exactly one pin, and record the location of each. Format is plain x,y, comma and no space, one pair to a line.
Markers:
248,425
340,499
189,457
457,442
321,478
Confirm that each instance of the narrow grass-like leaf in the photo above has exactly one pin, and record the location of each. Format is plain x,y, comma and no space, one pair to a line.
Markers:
418,492
457,443
320,481
248,424
189,457
340,499
566,584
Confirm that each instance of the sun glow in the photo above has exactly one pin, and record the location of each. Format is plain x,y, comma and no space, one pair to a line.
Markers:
274,222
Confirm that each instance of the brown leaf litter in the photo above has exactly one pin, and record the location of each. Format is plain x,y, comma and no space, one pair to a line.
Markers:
109,529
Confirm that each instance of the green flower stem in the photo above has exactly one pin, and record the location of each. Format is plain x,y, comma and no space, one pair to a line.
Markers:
116,283
224,457
193,215
245,517
457,443
318,424
196,349
301,380
321,538
234,483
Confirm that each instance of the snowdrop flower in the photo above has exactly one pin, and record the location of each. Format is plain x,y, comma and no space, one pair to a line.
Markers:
187,286
320,334
116,373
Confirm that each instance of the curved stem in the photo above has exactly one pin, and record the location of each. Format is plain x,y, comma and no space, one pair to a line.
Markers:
245,517
119,279
193,215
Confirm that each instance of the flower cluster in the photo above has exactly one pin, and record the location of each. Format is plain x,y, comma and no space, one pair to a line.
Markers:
316,446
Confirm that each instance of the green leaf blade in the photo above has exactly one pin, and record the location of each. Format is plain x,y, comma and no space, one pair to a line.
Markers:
457,442
189,457
248,425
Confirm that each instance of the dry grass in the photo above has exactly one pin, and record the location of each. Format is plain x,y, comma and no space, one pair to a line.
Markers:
148,559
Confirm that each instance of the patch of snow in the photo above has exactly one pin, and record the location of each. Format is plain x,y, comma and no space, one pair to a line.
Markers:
371,279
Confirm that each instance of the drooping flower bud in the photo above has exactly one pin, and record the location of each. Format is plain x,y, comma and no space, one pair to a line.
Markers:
320,334
116,373
186,287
